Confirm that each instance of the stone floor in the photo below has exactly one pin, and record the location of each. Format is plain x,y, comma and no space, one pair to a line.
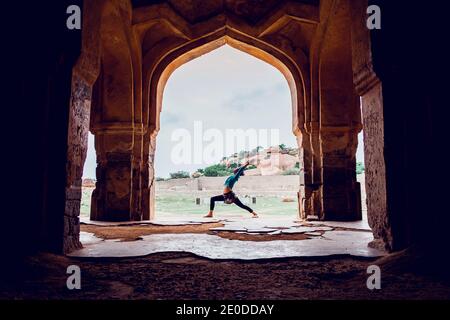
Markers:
205,265
178,275
321,239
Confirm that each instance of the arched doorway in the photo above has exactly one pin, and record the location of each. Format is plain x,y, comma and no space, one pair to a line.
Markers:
170,64
220,110
135,58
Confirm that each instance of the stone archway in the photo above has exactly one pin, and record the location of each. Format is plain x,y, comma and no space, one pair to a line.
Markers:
201,38
139,46
167,66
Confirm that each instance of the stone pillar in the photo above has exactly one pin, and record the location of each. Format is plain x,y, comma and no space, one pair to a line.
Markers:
305,195
341,193
76,155
375,167
339,120
316,173
148,177
111,199
136,213
369,87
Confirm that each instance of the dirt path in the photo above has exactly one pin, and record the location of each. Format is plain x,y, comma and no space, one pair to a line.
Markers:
133,233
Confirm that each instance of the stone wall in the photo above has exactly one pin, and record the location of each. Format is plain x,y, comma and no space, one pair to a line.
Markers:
248,184
39,99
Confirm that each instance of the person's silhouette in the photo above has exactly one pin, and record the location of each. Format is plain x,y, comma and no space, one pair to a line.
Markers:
228,195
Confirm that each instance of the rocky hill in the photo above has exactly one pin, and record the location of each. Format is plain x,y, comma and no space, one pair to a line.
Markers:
276,160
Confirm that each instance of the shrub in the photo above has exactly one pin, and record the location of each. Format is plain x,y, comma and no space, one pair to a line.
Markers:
179,175
159,179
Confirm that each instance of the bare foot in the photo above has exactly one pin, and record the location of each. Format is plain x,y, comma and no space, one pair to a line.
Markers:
209,215
255,215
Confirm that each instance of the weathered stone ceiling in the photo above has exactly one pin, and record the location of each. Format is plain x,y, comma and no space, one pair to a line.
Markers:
283,23
195,11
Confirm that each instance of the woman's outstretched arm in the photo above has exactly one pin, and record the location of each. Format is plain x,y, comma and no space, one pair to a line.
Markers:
241,169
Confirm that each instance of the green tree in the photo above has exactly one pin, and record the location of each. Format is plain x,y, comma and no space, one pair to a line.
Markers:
233,166
217,170
359,167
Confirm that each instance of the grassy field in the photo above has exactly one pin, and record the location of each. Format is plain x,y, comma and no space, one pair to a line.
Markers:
179,204
167,205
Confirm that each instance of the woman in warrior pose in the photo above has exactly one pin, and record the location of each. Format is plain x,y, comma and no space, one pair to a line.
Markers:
228,195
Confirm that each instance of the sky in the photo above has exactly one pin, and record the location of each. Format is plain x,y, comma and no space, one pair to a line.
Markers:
207,97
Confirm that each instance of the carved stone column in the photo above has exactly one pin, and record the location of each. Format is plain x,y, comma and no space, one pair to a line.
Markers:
305,202
341,193
369,87
339,119
316,167
76,155
136,213
375,166
111,199
148,177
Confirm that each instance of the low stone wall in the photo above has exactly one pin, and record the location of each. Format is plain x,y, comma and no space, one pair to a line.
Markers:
188,184
246,184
